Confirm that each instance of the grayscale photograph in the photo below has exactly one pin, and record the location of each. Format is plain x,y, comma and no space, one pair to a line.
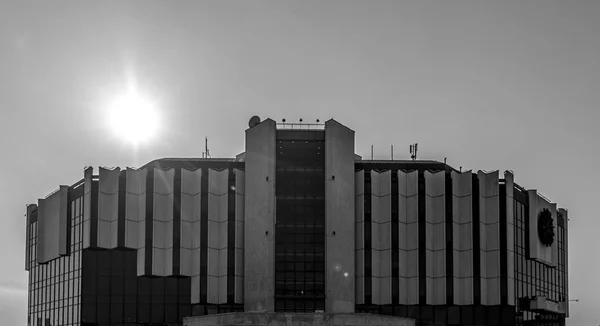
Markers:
299,162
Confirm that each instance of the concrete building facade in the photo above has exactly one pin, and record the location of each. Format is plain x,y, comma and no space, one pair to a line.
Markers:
295,230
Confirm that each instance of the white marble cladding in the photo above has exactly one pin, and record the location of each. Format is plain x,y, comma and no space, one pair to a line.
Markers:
217,236
408,237
135,208
381,237
435,237
489,236
162,223
462,244
108,207
190,235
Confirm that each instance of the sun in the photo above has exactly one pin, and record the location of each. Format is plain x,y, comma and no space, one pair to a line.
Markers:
133,118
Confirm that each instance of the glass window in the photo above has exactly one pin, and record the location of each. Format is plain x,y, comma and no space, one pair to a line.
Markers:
299,231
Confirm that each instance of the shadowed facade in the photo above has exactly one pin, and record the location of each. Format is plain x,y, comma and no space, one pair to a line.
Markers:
296,224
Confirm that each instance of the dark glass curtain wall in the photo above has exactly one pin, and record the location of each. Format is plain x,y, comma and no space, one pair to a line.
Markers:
113,294
300,226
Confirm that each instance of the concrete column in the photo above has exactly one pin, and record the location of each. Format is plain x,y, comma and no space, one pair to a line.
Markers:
259,226
339,218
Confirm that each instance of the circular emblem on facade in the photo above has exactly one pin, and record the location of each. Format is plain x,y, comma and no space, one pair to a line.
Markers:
546,227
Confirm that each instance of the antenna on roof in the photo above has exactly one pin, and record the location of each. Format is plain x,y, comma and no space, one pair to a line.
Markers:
413,151
392,147
206,153
371,152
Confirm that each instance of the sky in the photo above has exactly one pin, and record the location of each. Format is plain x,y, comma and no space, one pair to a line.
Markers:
506,85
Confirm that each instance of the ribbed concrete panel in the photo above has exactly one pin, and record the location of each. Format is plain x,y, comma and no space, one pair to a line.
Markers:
240,187
339,213
435,237
162,223
135,208
52,217
259,248
489,228
408,237
462,244
359,244
381,237
87,207
190,222
108,207
217,235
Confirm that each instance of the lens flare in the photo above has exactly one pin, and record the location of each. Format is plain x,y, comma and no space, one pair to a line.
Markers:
133,118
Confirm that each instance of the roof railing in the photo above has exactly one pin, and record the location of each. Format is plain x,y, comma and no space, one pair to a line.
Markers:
300,126
519,187
77,184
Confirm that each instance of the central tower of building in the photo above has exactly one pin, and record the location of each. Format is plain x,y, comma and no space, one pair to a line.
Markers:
299,218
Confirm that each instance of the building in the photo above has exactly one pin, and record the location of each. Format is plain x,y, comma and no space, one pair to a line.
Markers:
296,224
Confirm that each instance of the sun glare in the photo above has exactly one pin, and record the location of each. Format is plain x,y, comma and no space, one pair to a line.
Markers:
133,118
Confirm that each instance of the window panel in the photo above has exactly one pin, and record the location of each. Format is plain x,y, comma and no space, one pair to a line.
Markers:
50,286
300,237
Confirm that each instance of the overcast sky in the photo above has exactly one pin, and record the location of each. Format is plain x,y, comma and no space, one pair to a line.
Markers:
507,85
